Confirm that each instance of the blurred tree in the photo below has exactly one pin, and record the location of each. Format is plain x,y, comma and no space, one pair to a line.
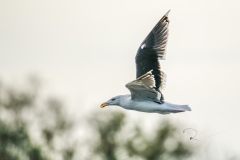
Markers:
23,116
15,144
112,143
35,128
163,145
107,127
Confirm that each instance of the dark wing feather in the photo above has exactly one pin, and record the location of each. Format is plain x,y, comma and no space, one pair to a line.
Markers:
153,49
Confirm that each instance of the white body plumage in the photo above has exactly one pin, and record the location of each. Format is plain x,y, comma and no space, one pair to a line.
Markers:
150,106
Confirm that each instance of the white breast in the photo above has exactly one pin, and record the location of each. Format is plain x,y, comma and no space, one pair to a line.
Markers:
144,106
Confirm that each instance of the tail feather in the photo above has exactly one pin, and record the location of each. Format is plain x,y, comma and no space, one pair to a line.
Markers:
176,108
184,107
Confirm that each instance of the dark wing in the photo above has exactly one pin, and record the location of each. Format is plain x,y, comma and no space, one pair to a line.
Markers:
143,88
153,49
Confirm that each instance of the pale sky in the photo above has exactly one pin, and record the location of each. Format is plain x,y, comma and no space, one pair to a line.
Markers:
84,51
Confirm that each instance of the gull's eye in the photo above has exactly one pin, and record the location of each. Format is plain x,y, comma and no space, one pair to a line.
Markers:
113,99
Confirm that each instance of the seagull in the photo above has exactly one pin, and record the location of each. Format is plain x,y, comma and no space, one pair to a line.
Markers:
146,95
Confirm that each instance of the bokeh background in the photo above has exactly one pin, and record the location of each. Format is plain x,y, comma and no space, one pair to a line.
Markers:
59,60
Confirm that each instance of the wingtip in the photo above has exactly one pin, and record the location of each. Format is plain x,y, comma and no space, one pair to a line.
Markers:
165,17
167,13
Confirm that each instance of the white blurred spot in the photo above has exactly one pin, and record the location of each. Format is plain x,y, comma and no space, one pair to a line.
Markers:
143,46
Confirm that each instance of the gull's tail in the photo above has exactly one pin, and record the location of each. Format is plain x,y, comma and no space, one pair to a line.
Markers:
174,108
184,107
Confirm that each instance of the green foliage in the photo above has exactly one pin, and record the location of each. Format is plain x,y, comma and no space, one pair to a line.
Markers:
20,114
161,146
107,129
15,144
113,137
23,115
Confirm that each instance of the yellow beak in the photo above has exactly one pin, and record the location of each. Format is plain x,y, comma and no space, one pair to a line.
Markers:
103,105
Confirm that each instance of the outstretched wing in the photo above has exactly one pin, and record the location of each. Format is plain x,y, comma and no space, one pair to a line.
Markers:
153,49
143,88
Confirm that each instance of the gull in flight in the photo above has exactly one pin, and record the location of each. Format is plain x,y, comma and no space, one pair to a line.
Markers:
146,95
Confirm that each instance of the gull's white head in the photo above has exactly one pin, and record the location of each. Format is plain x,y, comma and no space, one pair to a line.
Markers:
113,101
